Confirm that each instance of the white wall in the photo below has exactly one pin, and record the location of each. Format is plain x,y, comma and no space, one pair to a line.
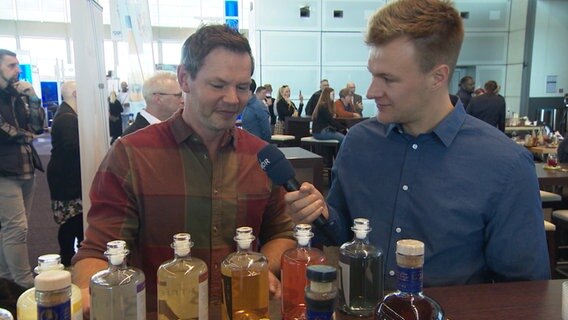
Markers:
550,48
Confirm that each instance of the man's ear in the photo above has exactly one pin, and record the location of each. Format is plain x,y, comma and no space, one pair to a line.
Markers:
183,78
439,76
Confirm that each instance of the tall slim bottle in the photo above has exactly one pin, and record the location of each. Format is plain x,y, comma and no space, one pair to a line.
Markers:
408,302
245,280
26,306
119,292
361,278
183,284
294,264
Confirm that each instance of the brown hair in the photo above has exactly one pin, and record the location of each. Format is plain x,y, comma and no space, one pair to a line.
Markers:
324,101
207,38
433,26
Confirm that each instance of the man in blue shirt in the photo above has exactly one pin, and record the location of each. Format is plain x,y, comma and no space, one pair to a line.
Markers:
255,117
426,170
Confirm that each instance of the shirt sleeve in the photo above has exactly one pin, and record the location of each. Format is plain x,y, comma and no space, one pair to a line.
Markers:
515,247
113,214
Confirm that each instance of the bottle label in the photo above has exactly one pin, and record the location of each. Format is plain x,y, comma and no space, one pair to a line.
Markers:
60,312
409,279
344,275
319,315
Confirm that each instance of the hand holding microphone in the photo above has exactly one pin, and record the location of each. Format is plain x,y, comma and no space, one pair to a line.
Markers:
304,204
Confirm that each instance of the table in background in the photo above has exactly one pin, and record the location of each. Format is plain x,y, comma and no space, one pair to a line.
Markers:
307,165
542,151
548,178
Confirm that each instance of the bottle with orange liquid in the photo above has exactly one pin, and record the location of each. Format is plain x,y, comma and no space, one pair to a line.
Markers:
294,264
245,280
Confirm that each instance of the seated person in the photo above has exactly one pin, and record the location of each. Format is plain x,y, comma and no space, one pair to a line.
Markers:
324,126
344,105
285,107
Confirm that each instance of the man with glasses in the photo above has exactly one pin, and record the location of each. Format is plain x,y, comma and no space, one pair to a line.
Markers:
163,98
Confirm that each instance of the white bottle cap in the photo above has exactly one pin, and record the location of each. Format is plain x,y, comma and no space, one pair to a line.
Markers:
410,247
303,233
48,262
182,244
361,227
52,280
116,251
244,237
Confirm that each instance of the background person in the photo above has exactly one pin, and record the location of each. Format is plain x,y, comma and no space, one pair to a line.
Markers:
196,172
344,106
286,108
489,107
357,99
114,117
313,101
425,169
163,97
19,121
255,117
465,91
64,174
325,127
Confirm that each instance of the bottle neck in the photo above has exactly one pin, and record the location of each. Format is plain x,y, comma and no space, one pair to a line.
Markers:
117,266
409,280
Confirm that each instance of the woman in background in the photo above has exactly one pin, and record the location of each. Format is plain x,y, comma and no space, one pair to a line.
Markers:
270,105
286,108
324,126
115,120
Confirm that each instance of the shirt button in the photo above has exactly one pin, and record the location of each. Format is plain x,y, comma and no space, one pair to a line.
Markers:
215,229
405,187
216,266
391,273
415,146
398,230
215,192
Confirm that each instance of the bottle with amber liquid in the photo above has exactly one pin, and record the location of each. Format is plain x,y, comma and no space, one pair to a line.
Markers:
361,276
408,302
183,284
294,264
245,280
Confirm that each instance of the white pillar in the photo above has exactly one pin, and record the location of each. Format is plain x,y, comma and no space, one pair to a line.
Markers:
87,34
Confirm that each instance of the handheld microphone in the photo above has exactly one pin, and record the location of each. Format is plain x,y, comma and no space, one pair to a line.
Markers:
281,172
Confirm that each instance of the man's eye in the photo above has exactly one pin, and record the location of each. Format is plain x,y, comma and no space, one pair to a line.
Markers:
217,86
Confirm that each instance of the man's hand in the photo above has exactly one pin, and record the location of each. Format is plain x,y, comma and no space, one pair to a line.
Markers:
25,88
306,205
274,286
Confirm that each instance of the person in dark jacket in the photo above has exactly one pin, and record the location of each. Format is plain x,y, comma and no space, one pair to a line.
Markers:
489,107
465,91
64,174
21,116
324,126
311,105
115,117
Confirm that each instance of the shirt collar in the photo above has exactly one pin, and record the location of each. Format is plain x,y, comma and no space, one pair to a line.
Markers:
446,130
183,131
148,116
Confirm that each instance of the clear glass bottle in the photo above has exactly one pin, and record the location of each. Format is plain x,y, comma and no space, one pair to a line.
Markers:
183,291
6,315
245,280
119,292
26,307
294,264
53,295
361,277
408,302
321,293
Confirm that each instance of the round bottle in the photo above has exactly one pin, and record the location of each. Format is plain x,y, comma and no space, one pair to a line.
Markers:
27,307
53,295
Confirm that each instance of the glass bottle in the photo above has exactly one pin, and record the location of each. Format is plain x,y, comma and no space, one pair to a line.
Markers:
26,307
183,291
294,264
119,292
408,302
245,280
361,277
321,292
53,295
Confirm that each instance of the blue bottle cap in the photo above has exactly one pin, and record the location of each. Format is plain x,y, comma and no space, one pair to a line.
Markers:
321,273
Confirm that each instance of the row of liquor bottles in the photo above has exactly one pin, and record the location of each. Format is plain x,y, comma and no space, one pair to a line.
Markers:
308,285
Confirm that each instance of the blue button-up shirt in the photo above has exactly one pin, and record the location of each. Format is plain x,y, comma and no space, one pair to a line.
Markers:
464,189
256,119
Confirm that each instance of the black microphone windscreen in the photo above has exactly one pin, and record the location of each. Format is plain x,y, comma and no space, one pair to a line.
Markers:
277,167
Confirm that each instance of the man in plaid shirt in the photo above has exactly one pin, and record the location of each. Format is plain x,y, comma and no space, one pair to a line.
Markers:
21,116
